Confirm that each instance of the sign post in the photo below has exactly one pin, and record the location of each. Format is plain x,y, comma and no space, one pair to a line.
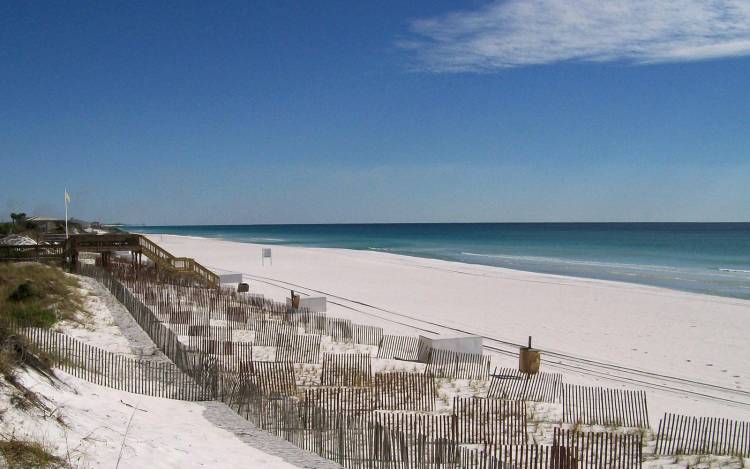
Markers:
266,255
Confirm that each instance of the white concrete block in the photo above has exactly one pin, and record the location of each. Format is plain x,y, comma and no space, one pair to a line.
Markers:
456,343
230,277
316,304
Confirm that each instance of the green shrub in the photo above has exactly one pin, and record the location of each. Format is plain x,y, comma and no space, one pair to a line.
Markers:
31,315
38,295
24,291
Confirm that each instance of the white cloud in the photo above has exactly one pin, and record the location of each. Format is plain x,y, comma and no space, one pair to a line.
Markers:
515,33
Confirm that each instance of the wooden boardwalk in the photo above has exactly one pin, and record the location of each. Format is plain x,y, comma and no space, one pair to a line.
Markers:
106,244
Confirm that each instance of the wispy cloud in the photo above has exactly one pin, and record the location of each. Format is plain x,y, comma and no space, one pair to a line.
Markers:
515,33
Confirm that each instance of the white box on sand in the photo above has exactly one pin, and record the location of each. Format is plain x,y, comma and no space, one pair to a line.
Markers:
230,277
453,343
316,304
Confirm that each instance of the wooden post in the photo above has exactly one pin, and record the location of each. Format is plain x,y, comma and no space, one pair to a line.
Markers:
529,359
295,300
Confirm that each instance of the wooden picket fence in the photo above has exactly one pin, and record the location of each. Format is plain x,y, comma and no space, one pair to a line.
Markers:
274,378
432,426
512,384
346,369
267,332
529,456
99,366
313,322
358,419
603,406
680,434
323,406
298,348
340,330
490,421
399,347
602,449
163,337
225,355
454,365
366,335
406,391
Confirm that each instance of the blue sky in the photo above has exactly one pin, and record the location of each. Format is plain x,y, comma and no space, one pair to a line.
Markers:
300,112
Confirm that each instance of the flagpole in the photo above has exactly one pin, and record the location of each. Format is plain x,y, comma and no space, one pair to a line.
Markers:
66,213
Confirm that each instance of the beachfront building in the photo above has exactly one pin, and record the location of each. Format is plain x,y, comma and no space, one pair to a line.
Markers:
47,224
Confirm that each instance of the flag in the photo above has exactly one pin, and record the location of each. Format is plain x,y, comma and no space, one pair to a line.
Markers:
67,201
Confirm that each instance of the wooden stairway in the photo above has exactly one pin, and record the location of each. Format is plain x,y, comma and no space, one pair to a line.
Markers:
136,243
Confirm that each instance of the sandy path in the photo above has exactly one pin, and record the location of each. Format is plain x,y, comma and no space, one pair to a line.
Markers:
106,427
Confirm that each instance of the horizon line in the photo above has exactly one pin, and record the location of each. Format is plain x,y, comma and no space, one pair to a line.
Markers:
442,223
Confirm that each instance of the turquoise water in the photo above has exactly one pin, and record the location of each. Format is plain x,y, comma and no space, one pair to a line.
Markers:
711,258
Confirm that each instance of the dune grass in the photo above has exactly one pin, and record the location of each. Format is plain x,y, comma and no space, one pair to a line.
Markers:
32,295
17,352
28,454
37,295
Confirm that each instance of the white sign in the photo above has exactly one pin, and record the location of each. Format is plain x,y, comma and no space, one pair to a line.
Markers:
266,255
230,277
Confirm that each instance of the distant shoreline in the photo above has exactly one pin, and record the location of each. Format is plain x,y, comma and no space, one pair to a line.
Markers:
639,327
706,258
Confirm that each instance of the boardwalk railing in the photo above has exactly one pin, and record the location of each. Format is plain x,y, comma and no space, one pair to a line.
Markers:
106,244
31,252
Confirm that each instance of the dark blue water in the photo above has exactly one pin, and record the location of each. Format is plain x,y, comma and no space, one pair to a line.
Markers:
711,258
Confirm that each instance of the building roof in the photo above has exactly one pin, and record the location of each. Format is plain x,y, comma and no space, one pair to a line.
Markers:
44,219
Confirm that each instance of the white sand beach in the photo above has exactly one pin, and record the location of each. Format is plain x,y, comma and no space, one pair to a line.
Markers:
88,425
688,351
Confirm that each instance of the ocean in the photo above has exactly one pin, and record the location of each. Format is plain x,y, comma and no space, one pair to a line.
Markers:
712,258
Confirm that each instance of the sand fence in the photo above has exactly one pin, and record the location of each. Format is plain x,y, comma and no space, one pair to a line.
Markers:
250,352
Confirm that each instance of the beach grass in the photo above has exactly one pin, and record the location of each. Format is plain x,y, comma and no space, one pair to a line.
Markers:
28,454
37,295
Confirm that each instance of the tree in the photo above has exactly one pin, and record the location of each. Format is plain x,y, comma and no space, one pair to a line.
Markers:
19,219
